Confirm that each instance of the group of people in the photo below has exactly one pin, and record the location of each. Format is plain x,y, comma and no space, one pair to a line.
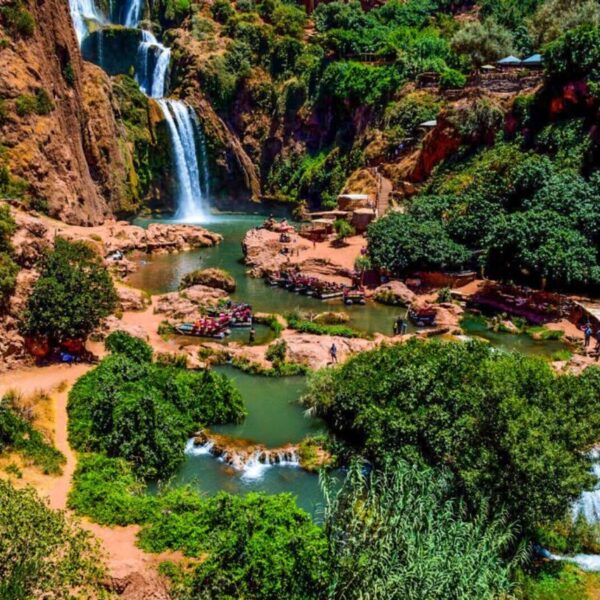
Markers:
400,326
588,334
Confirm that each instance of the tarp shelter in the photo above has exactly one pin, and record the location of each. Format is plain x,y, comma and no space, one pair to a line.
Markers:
488,68
509,61
535,60
429,124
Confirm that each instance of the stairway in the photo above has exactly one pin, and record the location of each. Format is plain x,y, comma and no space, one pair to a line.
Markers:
384,189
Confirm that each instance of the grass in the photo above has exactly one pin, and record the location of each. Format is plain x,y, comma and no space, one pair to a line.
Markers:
305,326
18,435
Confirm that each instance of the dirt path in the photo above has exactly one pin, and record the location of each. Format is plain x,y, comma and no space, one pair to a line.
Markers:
123,558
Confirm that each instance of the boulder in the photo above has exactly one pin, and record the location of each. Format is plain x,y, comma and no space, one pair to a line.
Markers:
188,304
131,299
395,293
214,278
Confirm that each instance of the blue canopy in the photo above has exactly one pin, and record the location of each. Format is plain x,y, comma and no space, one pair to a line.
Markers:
510,60
534,59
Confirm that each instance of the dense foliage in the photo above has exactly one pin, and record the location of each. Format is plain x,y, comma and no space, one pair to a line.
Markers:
42,554
398,534
17,434
520,215
72,295
144,412
505,425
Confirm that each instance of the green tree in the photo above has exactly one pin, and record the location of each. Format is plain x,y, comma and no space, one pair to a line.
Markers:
483,42
42,554
72,295
512,431
343,229
131,408
401,244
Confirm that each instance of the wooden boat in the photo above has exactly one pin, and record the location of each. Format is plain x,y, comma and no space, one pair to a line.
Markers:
423,316
354,296
191,329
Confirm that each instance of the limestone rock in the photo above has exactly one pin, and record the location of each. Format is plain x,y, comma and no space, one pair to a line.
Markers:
187,304
131,299
395,293
215,278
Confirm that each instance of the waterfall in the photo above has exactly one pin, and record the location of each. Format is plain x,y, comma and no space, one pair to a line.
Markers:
83,11
190,200
133,13
188,146
152,65
588,504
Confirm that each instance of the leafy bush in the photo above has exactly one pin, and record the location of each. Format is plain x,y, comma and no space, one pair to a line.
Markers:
276,352
483,42
18,435
72,295
258,546
510,429
106,490
8,277
18,20
120,342
343,229
401,244
42,554
144,412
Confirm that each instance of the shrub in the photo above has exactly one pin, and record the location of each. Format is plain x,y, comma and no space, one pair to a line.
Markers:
222,10
18,435
144,412
508,427
39,103
120,342
483,42
8,277
343,229
72,295
42,554
18,20
277,351
304,326
257,546
451,79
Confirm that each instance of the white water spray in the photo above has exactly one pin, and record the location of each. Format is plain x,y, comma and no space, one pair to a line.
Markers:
152,64
83,11
133,13
190,199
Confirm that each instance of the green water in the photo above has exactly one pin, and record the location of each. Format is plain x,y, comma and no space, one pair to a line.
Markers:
474,325
160,274
275,418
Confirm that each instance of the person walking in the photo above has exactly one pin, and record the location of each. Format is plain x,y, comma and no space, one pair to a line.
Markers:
333,353
587,335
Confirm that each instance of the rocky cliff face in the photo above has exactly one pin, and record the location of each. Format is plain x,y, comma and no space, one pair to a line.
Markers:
65,150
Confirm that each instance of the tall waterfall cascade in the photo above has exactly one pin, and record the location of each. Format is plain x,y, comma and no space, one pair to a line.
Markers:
188,148
82,12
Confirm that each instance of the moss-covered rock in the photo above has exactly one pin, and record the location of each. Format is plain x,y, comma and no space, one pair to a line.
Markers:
113,48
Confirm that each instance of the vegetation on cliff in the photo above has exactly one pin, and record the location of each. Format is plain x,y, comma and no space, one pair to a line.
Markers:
8,268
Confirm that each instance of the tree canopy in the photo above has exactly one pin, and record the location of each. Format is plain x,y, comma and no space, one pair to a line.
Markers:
72,295
505,425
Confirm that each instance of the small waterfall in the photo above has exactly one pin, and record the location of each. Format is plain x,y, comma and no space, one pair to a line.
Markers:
190,200
133,13
83,11
192,449
588,504
152,65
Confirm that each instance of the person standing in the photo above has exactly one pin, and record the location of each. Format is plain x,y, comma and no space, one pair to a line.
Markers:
252,335
333,353
587,335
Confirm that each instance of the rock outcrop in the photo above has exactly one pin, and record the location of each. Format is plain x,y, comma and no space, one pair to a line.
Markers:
395,293
215,278
49,146
188,304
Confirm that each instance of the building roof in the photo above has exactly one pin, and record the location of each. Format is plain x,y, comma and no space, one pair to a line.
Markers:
510,60
534,59
488,67
432,123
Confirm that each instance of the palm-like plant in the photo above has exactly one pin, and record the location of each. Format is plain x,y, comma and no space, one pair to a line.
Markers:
397,533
